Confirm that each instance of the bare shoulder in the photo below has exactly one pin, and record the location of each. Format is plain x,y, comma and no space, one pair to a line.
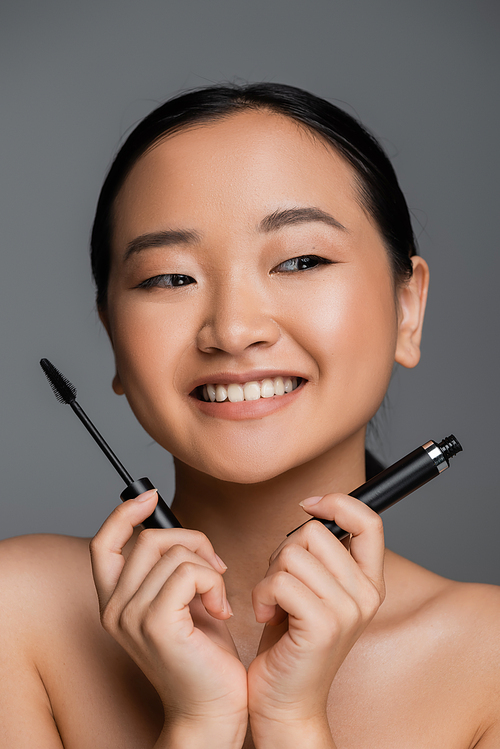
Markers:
416,595
471,612
40,548
46,586
468,607
454,629
45,591
63,679
32,566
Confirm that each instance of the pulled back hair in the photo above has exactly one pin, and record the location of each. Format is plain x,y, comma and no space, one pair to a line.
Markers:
379,191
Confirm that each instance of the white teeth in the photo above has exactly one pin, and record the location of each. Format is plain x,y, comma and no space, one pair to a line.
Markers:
220,393
279,386
235,393
267,389
250,391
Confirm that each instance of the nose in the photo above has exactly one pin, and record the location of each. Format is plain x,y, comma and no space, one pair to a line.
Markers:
237,319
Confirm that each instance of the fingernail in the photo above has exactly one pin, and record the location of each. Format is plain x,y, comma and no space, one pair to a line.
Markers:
220,561
228,608
310,501
146,496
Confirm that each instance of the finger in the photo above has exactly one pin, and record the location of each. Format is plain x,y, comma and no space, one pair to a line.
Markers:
288,593
107,545
152,545
306,612
322,564
139,599
365,526
315,559
170,608
213,626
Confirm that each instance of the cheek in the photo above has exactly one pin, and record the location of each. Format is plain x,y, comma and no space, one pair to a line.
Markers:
352,332
148,345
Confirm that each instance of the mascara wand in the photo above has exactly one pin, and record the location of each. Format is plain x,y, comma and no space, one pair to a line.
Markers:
65,392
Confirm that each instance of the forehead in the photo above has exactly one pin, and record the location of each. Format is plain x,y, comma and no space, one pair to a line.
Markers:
242,166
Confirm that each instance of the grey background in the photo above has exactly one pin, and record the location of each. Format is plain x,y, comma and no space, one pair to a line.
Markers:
423,75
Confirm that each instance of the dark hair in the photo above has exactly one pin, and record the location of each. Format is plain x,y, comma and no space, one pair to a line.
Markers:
379,190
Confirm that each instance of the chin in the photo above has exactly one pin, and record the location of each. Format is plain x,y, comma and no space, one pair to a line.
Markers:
245,476
250,467
238,469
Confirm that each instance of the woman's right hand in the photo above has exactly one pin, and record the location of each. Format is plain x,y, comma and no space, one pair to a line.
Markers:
145,603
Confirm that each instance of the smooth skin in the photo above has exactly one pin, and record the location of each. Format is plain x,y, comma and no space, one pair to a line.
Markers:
289,642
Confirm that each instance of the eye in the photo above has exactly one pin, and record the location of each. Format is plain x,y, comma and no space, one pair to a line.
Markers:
303,262
166,281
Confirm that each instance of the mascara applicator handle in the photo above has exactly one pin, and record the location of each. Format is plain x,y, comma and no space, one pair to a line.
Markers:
402,478
162,517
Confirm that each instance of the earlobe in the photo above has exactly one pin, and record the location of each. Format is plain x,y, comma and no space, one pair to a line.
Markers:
412,299
117,385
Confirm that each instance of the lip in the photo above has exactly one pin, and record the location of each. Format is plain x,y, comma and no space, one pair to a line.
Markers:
247,409
226,378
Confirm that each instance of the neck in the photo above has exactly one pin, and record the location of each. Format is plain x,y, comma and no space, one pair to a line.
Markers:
247,522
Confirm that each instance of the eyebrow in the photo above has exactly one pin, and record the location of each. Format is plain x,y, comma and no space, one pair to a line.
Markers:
165,238
273,222
281,218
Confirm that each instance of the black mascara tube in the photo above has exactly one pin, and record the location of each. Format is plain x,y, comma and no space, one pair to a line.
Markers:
400,479
162,517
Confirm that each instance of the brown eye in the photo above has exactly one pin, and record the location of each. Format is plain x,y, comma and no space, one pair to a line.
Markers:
166,281
303,262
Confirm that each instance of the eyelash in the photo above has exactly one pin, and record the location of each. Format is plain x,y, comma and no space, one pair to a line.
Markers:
318,261
183,280
156,281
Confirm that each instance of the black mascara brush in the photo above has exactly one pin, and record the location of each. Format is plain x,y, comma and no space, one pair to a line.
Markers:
65,392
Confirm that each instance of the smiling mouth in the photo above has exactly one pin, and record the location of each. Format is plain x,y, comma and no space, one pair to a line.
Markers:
249,391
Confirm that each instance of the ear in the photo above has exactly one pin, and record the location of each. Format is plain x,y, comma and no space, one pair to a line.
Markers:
412,298
117,385
116,382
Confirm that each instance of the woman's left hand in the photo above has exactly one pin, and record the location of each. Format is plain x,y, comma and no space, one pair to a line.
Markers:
317,597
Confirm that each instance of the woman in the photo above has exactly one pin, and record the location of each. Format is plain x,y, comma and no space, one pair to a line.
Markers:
257,276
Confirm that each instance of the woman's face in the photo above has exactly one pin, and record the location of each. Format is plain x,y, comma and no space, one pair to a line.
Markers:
241,253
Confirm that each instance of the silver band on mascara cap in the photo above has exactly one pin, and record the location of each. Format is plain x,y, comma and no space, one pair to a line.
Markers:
436,455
